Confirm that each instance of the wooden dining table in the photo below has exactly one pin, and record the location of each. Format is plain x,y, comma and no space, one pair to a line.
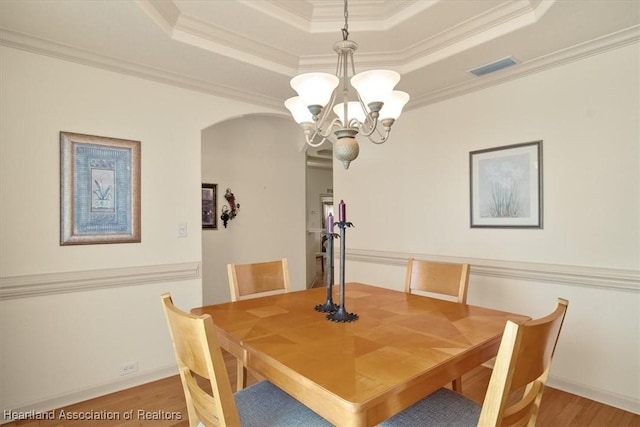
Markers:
402,347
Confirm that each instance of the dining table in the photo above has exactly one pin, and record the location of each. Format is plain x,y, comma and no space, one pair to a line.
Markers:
401,348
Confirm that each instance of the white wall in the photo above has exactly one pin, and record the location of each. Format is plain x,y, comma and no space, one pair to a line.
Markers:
319,182
259,159
586,112
60,348
411,196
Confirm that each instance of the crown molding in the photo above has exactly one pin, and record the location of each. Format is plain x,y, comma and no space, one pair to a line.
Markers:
373,17
493,24
77,281
295,14
216,39
45,47
613,41
366,16
327,16
84,57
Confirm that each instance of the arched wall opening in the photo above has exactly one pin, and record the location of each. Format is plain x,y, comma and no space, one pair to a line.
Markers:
258,157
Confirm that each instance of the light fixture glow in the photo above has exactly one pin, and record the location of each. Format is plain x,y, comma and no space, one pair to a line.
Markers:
315,88
299,110
375,108
394,105
354,111
375,85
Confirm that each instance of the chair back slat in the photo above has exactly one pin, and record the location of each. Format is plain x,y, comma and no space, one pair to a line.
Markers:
438,277
204,404
518,413
198,352
521,369
258,279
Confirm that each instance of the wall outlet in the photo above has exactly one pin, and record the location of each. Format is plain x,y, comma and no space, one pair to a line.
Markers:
129,368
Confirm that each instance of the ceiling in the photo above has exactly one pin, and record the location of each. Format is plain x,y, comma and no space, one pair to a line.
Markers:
249,49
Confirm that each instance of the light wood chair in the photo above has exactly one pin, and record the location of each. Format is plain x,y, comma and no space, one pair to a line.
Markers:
515,388
198,354
439,278
256,280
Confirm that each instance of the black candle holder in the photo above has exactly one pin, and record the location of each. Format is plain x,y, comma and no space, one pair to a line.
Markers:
329,306
341,314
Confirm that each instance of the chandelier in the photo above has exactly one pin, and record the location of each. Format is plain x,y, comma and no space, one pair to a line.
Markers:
373,113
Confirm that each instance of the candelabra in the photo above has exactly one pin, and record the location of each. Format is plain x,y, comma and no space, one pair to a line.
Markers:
341,314
329,306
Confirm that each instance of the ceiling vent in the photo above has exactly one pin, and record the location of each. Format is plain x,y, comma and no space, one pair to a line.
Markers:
494,66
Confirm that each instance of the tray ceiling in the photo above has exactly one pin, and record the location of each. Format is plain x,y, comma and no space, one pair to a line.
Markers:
249,49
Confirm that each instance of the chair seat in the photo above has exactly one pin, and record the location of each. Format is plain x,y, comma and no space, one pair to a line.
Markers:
264,404
440,409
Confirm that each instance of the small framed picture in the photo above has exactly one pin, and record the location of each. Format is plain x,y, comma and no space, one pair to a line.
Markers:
99,190
506,186
209,206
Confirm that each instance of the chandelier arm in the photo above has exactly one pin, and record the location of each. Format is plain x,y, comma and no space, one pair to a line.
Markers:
370,122
353,65
339,65
386,123
326,111
344,56
383,139
314,145
335,123
369,126
355,123
311,133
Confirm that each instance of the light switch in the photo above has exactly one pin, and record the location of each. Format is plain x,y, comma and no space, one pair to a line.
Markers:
182,229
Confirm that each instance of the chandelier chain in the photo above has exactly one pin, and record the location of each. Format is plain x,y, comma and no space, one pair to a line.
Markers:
345,29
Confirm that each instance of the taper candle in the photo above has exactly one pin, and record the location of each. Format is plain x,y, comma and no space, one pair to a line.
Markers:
330,223
342,211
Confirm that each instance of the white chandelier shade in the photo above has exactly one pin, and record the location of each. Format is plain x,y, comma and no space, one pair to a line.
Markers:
299,110
315,88
375,85
370,113
393,105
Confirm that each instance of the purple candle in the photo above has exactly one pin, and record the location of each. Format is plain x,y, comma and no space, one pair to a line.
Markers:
330,223
342,211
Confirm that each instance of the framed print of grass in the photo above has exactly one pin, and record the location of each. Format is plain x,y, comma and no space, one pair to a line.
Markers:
506,186
99,190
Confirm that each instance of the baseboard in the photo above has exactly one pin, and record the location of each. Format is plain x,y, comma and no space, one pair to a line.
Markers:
601,396
588,392
66,399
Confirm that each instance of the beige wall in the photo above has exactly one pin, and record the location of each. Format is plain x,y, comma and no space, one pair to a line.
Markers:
319,181
586,113
259,159
55,349
69,346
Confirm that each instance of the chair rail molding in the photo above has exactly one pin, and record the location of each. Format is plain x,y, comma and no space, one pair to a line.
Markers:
77,281
594,277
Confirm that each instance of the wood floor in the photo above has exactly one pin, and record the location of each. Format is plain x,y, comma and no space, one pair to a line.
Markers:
161,403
